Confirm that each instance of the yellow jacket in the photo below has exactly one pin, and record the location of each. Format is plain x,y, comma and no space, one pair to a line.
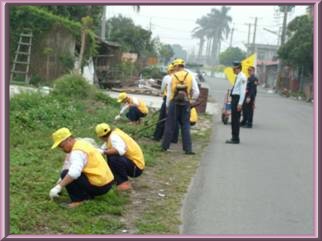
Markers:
141,106
181,77
96,169
193,116
133,151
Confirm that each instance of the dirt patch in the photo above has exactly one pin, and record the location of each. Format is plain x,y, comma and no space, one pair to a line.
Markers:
155,202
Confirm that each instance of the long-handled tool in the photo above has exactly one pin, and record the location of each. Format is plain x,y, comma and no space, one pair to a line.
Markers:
148,126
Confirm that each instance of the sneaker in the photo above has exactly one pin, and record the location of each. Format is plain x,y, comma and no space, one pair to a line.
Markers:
190,153
231,141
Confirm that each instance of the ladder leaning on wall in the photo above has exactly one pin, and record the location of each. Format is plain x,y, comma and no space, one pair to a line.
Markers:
21,63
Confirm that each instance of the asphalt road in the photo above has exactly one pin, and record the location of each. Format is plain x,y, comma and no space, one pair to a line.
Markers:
263,185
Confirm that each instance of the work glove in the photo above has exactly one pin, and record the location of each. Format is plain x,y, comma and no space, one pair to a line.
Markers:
117,117
54,192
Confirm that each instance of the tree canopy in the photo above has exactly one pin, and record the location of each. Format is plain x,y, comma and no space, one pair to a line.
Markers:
213,27
298,50
230,55
76,13
166,52
132,38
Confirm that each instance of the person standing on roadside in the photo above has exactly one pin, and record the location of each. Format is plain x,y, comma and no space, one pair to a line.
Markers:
237,99
158,133
249,104
182,90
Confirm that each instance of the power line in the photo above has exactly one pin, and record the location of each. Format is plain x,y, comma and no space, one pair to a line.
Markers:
177,19
172,29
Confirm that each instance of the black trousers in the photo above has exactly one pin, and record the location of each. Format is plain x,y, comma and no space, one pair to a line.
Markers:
235,118
178,117
81,189
158,133
122,168
159,130
248,112
134,114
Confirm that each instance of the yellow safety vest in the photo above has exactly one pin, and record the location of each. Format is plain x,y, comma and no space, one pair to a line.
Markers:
181,77
96,169
142,106
133,151
193,116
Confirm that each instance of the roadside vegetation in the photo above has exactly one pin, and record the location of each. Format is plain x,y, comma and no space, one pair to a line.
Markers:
35,168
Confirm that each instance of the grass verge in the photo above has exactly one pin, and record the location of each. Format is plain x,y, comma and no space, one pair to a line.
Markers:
34,168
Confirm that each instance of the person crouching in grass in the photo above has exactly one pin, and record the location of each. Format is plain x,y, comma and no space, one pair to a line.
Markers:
85,173
134,108
124,155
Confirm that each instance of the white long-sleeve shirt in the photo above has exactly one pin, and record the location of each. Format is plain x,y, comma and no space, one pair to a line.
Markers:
194,88
127,105
117,142
240,87
75,162
165,82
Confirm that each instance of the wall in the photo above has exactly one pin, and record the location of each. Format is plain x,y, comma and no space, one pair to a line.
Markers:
51,66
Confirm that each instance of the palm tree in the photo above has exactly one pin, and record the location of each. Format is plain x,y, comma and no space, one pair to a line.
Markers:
199,33
215,28
220,22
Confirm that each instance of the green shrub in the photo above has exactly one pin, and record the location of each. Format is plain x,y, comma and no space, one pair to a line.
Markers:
102,97
73,86
152,72
35,80
68,61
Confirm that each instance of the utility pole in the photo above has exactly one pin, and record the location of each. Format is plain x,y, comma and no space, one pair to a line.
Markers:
279,36
103,24
150,26
231,37
254,36
248,38
277,33
284,25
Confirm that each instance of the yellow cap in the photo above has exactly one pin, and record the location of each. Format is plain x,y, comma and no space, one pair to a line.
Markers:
122,97
102,129
59,136
178,62
170,67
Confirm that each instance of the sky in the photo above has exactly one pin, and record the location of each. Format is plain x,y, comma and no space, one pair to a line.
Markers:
174,24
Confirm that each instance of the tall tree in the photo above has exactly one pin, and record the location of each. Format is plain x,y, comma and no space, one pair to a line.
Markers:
214,27
298,50
132,38
166,52
87,23
221,29
200,33
76,13
230,55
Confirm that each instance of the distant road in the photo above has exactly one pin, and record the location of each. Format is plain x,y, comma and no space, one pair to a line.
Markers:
263,185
